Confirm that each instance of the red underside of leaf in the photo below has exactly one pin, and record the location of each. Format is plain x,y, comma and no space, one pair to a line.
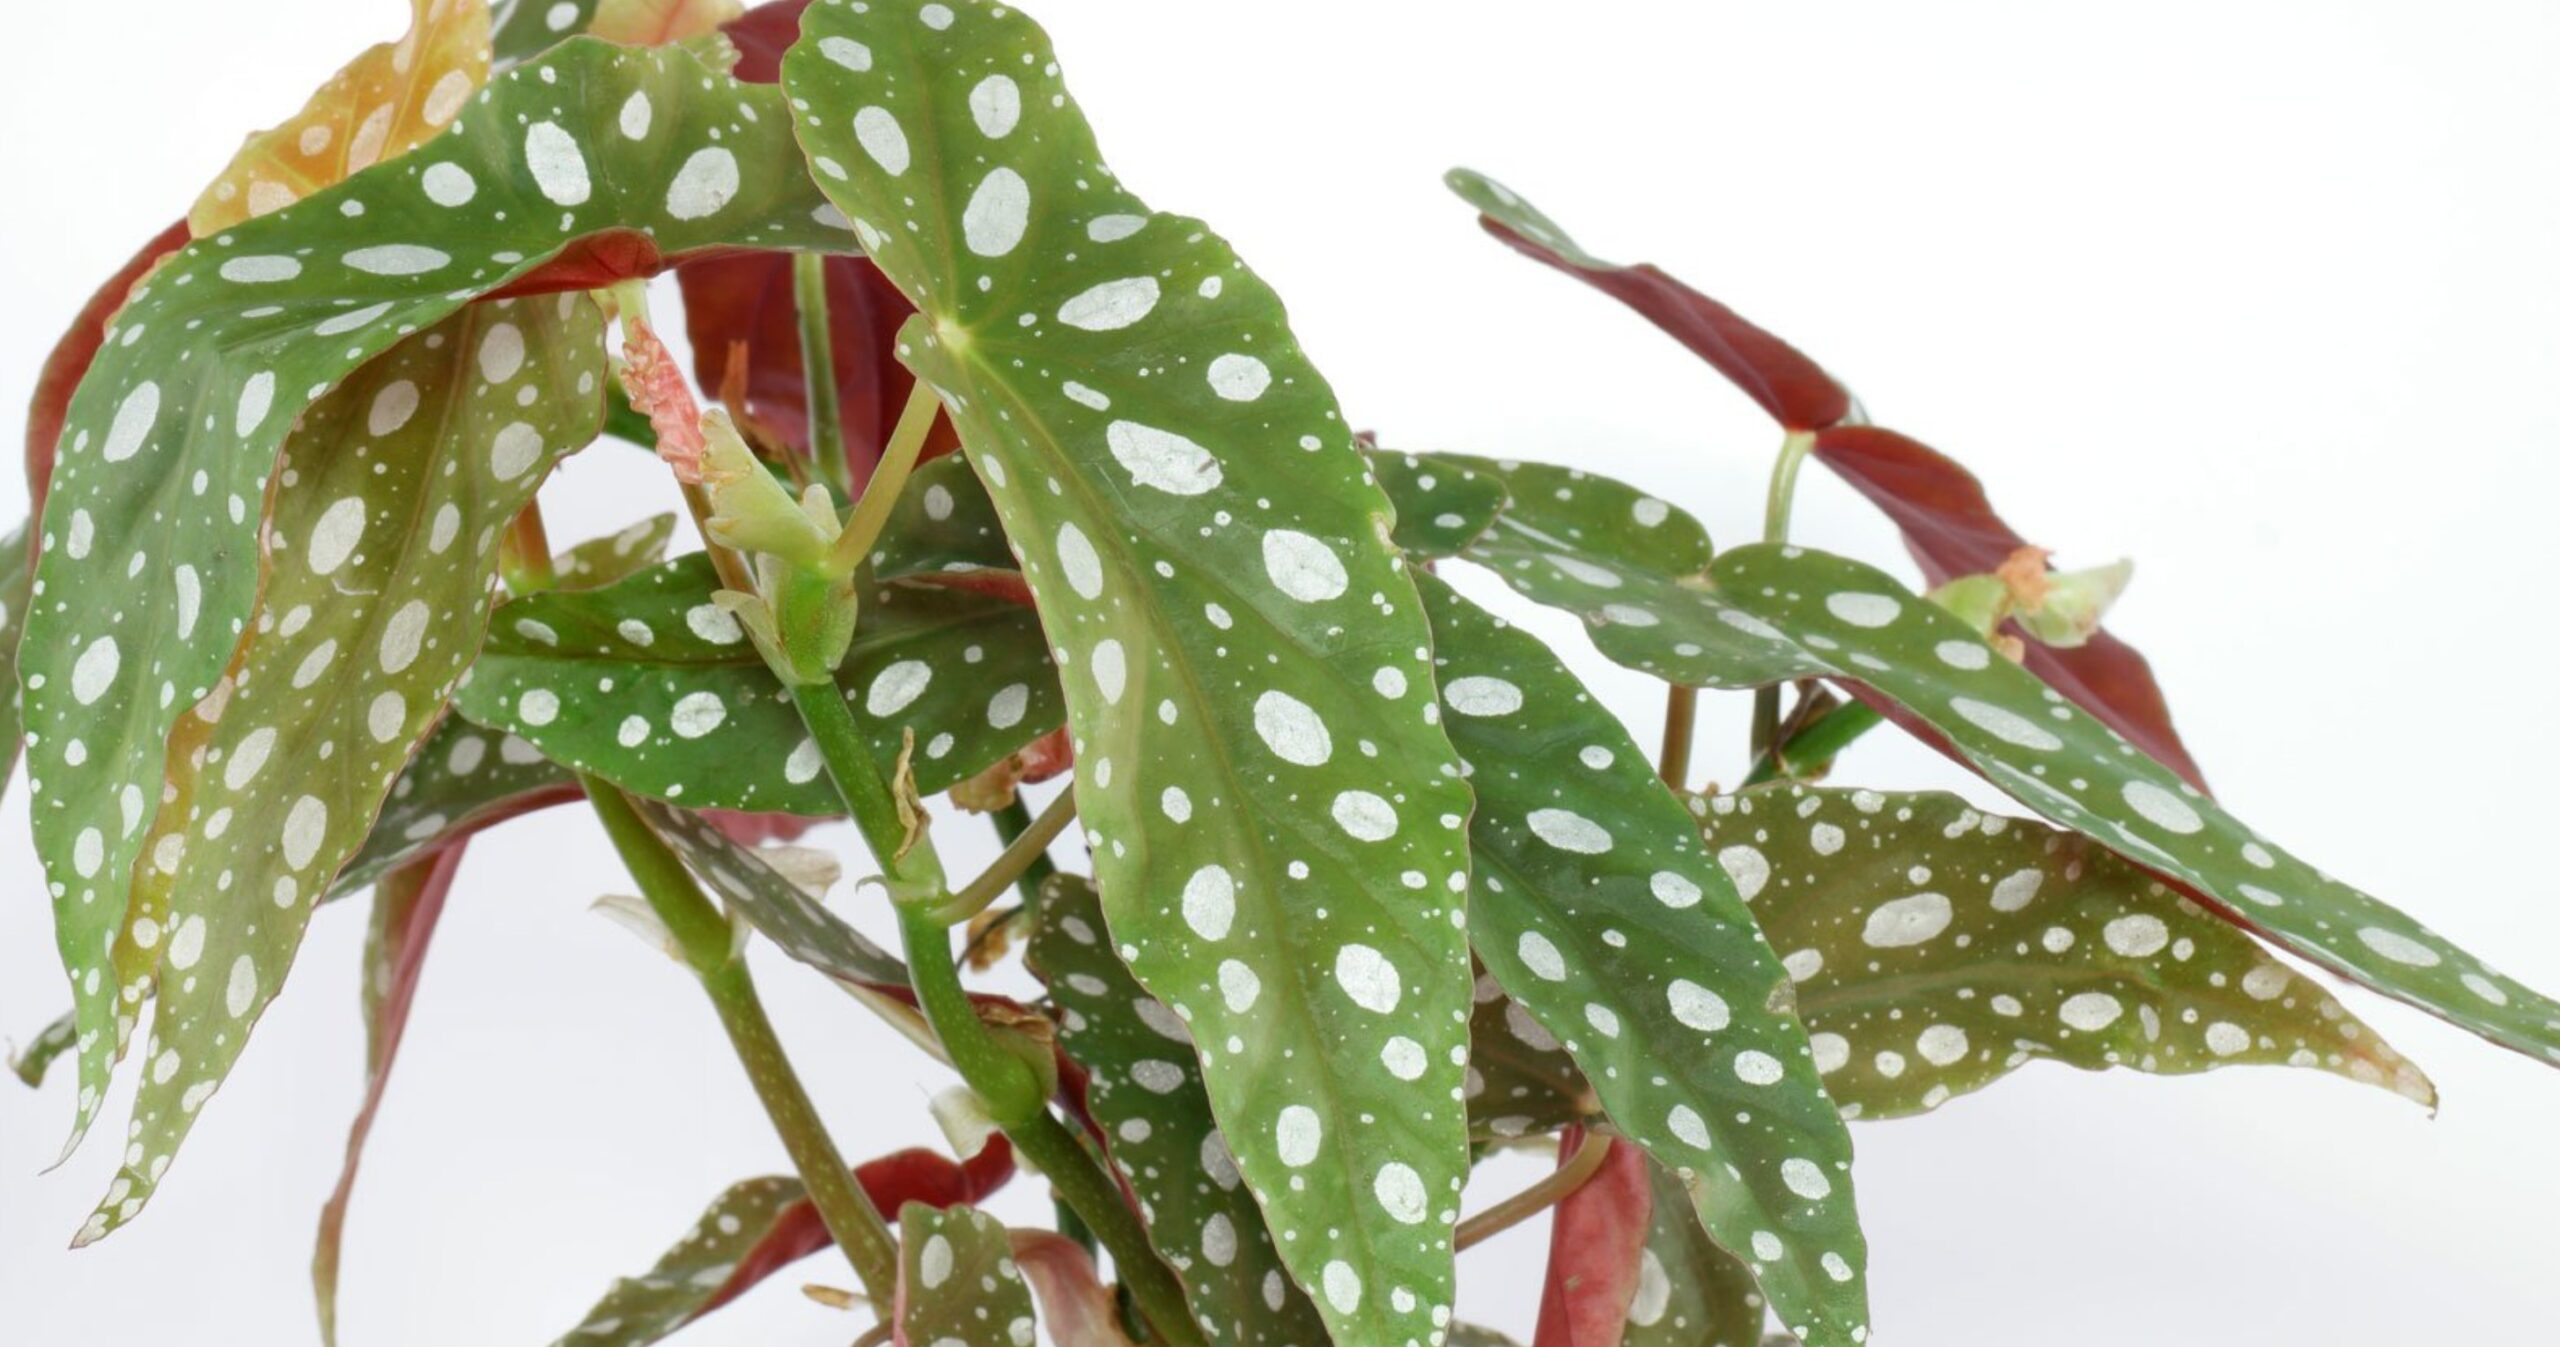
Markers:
890,1182
69,360
1783,380
761,36
1597,1250
1950,528
1076,1309
748,298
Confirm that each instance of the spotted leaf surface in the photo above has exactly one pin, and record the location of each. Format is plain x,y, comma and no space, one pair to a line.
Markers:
17,582
944,525
464,778
1852,622
1520,1080
386,102
1936,948
957,1282
523,29
648,684
601,561
696,1272
1946,519
1145,1091
788,911
1596,911
1276,819
386,516
1689,1293
146,582
406,908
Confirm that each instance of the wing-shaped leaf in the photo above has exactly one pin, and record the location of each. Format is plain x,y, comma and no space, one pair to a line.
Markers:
1245,660
1520,1080
701,1270
958,1285
30,1062
406,906
1634,949
385,524
523,29
463,779
1935,949
68,362
17,584
389,100
1764,613
1946,520
788,914
688,1281
1689,1293
1145,1093
171,442
1595,1255
696,717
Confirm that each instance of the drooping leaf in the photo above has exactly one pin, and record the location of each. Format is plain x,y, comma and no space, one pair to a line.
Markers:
1635,950
68,362
17,584
695,717
1595,1256
389,100
1076,1309
1243,655
958,1285
1520,1080
385,522
1156,1127
775,1225
30,1062
786,912
1935,949
1689,1293
406,906
523,29
1946,520
144,586
1764,614
463,779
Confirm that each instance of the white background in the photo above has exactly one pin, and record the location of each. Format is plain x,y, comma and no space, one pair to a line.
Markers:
2263,295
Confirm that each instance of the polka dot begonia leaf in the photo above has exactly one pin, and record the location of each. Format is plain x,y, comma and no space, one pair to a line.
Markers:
523,29
1276,818
1655,600
1145,1092
598,562
944,525
464,778
1689,1293
1935,949
1520,1080
957,1282
1596,906
153,521
387,101
786,909
695,1273
378,556
17,582
650,685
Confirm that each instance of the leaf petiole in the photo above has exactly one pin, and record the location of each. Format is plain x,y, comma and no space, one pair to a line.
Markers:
1773,529
1029,848
818,372
1537,1197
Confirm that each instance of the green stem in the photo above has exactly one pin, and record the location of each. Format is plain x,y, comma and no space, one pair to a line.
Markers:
1027,848
1679,729
888,479
710,947
1781,508
1015,1096
1012,822
818,372
1812,749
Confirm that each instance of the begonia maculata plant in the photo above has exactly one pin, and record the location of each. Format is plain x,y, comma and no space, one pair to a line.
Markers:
988,482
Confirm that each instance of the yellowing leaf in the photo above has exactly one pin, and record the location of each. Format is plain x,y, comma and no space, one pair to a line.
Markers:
383,104
650,23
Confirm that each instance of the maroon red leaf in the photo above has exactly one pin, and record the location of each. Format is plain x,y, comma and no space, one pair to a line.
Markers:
761,36
1597,1250
891,1182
